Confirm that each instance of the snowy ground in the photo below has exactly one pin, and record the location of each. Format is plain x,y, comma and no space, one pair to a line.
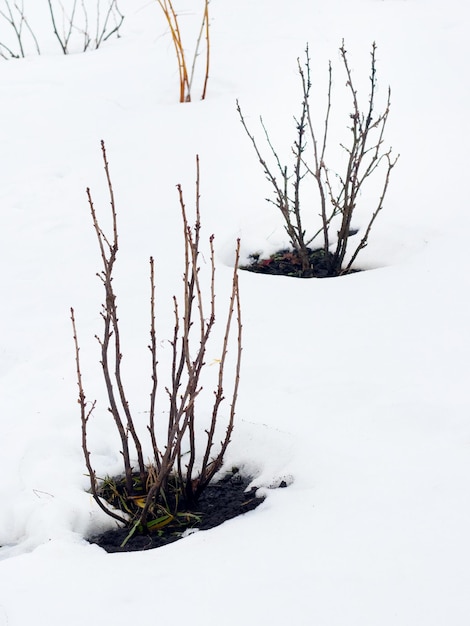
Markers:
356,388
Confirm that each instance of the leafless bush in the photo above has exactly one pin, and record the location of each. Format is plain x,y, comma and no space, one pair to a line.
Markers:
338,193
150,483
76,21
14,15
106,22
186,76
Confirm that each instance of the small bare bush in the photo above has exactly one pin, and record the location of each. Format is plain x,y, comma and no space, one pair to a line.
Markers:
153,491
77,25
186,72
338,192
14,15
92,27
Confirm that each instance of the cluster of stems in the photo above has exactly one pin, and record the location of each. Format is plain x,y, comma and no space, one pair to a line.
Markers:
338,193
92,27
191,336
186,74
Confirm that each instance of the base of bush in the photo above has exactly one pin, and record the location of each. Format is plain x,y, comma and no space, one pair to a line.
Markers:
219,502
288,263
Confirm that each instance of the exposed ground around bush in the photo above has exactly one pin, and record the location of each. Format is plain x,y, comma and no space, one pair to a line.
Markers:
219,502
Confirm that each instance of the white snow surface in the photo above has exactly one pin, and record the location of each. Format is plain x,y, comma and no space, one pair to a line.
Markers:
353,389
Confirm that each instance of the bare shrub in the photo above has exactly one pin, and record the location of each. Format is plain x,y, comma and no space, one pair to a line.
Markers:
13,14
167,477
91,21
338,193
103,23
186,74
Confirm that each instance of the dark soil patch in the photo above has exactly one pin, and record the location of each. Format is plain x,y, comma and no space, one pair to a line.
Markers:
220,501
288,263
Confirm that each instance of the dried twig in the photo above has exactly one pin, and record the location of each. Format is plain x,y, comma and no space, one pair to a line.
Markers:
85,414
63,38
109,250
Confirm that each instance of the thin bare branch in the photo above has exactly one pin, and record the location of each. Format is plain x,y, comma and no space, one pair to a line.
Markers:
209,468
208,49
154,363
85,414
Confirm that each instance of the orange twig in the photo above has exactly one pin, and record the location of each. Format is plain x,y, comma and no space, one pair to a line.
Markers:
185,81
